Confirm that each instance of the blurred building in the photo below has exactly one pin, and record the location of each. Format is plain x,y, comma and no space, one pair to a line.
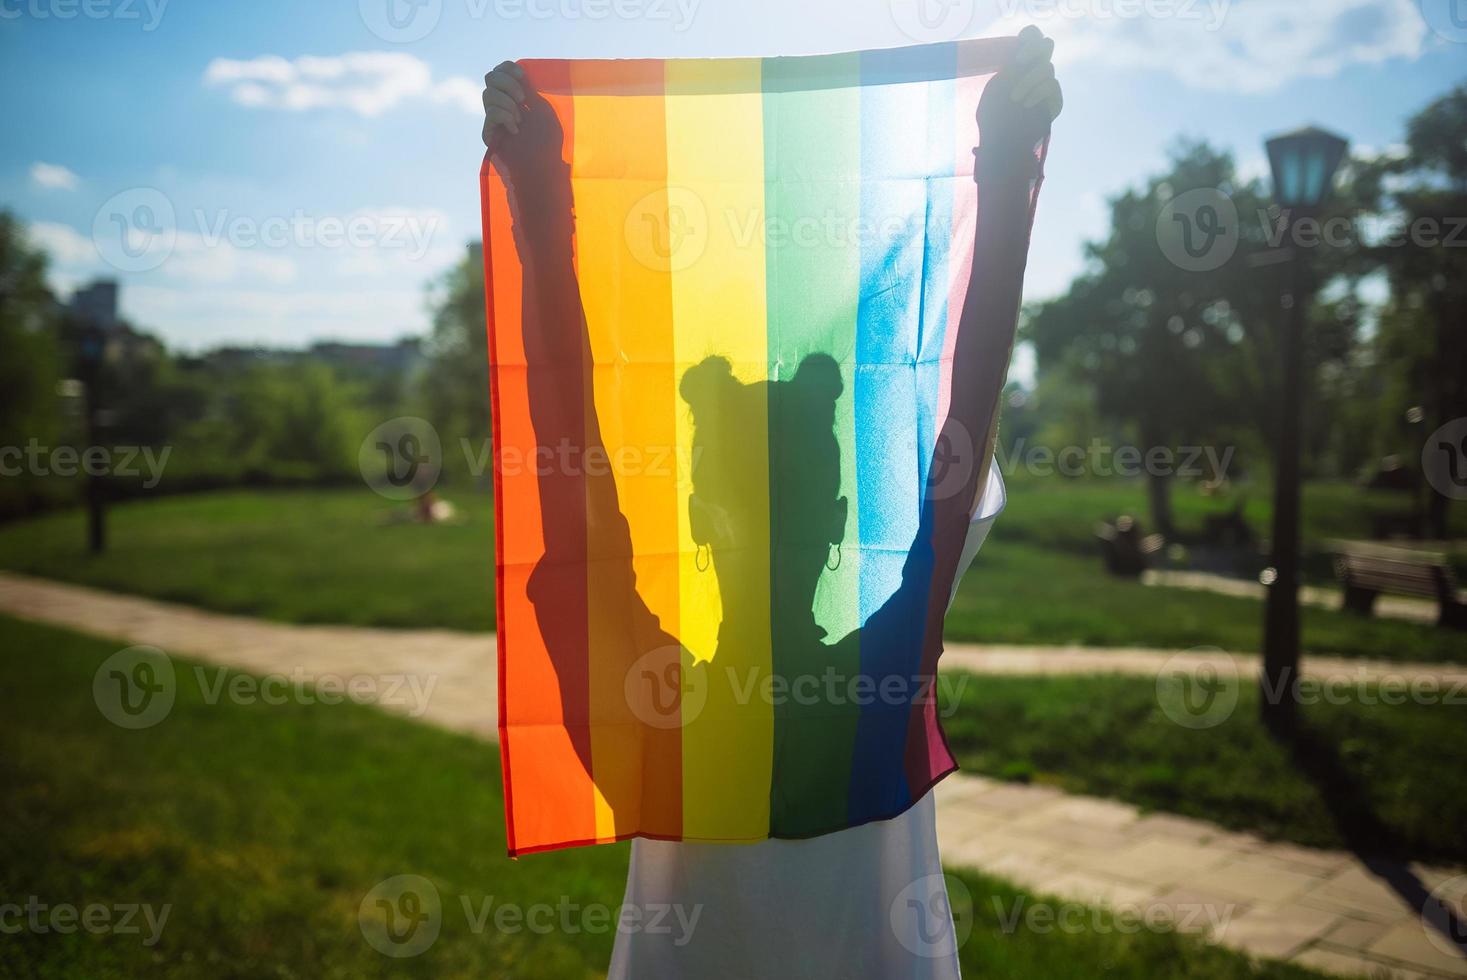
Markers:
93,307
395,358
400,356
96,305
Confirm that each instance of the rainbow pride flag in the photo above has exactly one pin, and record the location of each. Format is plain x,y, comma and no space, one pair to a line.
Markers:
717,391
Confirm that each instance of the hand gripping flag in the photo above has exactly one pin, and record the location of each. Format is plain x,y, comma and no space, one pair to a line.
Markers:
724,303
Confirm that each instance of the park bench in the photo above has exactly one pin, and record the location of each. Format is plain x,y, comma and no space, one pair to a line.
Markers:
1124,549
1366,574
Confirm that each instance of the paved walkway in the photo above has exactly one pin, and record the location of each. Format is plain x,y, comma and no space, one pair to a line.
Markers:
1322,597
1324,909
1038,660
460,666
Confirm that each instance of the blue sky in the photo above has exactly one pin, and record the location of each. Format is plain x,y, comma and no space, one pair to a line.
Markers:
317,161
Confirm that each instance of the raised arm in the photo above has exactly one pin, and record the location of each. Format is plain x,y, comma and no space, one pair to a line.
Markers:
582,521
1014,117
578,497
524,137
905,634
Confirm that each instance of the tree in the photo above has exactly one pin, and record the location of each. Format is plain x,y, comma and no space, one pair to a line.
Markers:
31,365
1161,346
294,421
1421,342
1188,353
456,382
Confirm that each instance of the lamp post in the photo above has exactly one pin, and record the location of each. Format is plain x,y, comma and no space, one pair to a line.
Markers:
91,348
1304,164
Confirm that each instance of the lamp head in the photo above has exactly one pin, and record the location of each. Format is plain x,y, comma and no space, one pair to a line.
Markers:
1304,164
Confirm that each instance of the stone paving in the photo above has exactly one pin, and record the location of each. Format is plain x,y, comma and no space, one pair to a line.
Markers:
460,667
1039,660
1323,909
1322,597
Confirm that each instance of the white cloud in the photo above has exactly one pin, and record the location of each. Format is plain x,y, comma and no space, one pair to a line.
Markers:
198,258
1243,46
210,291
195,319
189,257
1253,166
53,176
415,242
462,92
368,83
65,245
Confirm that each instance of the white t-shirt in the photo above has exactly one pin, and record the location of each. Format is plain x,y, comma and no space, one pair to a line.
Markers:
867,902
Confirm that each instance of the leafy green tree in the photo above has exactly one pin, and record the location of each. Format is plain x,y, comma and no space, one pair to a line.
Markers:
1159,344
294,421
1421,343
31,364
456,381
268,423
1190,354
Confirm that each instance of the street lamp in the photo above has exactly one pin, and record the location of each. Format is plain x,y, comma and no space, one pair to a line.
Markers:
1304,164
91,349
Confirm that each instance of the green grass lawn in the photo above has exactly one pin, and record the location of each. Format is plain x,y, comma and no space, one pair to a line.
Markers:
1388,777
326,556
262,829
304,556
1062,513
1020,593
